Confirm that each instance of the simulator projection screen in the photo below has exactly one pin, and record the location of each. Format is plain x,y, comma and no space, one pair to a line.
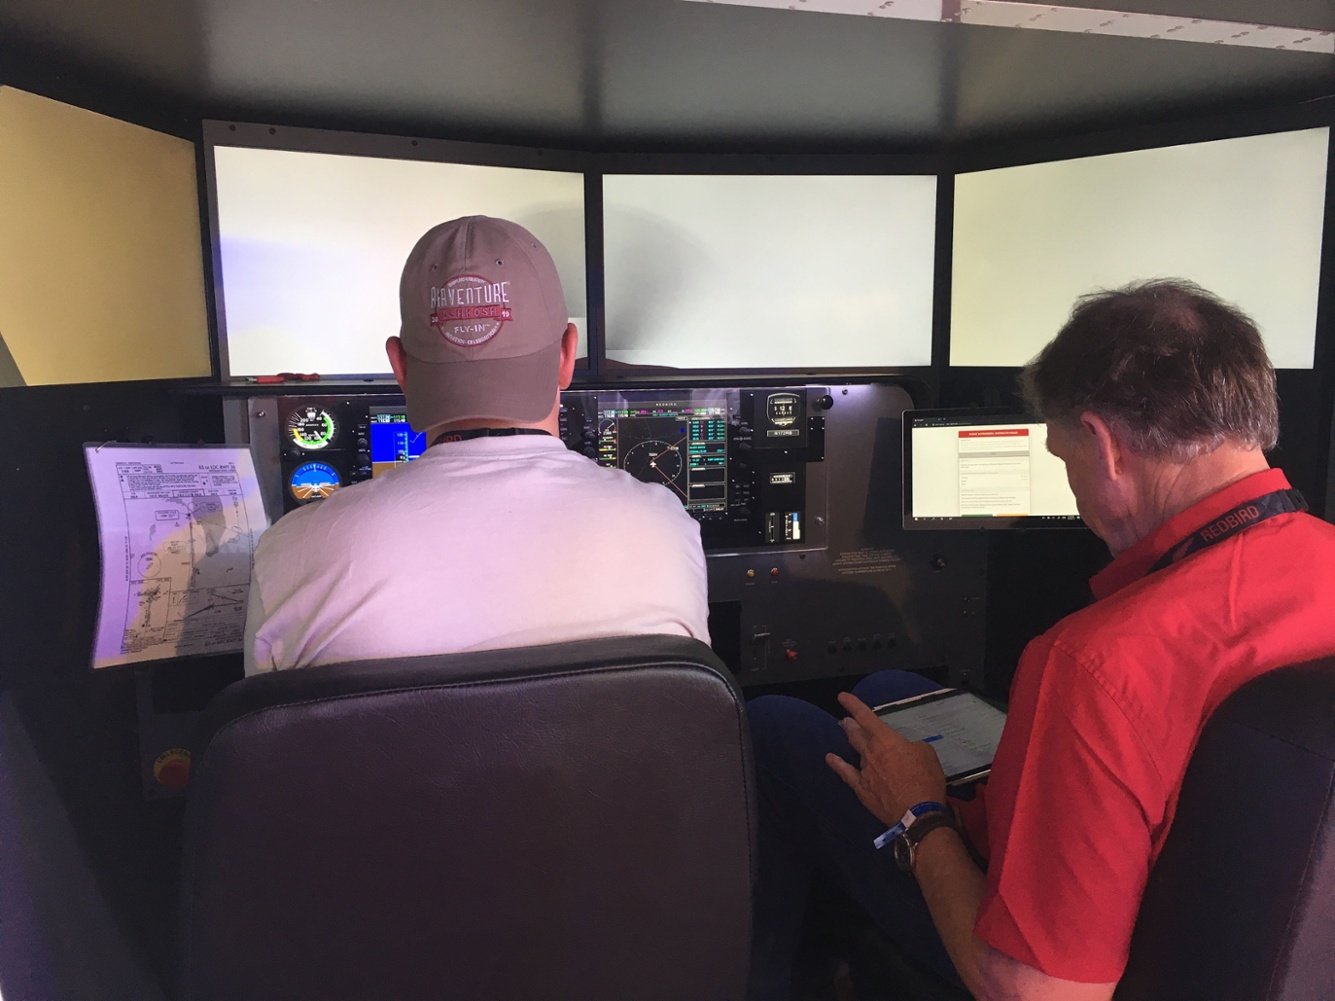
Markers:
1241,217
312,246
732,272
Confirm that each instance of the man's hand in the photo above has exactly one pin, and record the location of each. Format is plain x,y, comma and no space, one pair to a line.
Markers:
895,774
898,773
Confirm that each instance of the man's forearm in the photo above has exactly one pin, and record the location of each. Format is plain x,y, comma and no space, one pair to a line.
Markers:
953,888
895,772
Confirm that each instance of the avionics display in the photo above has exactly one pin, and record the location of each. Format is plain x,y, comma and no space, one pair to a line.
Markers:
1241,217
391,440
982,469
728,272
311,246
736,459
681,444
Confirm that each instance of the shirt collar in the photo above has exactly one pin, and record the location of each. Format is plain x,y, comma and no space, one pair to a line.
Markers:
1135,562
499,445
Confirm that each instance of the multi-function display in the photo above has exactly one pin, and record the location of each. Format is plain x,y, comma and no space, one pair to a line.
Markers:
680,444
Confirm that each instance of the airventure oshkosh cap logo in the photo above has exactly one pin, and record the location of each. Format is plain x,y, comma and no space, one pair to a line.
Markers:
469,310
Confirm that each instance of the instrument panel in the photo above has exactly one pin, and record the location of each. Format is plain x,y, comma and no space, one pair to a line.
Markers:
797,490
738,459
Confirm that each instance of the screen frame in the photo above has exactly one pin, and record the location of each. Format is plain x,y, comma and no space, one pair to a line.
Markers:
593,166
946,165
1301,391
788,165
1143,140
246,135
966,415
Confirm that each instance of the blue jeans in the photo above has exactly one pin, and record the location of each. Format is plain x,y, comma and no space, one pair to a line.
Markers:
809,820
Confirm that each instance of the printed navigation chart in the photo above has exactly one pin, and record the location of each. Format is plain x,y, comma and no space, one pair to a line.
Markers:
178,527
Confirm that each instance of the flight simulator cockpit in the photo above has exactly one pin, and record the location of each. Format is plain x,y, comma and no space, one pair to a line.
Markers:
839,505
808,340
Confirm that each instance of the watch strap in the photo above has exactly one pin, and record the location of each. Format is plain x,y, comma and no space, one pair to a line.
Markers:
906,845
910,817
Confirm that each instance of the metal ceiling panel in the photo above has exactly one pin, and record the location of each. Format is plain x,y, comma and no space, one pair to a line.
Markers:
1164,28
1024,14
648,74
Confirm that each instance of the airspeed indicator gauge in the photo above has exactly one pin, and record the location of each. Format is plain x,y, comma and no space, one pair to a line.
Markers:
311,427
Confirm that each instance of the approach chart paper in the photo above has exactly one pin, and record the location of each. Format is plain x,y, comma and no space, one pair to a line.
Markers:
178,527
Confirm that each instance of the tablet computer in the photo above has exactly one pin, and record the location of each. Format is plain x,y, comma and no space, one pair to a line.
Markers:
962,729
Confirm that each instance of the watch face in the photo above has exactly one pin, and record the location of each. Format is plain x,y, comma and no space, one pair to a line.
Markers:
903,853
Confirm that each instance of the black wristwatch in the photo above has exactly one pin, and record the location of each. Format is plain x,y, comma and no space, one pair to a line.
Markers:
905,846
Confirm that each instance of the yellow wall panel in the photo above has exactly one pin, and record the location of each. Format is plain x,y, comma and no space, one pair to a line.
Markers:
101,272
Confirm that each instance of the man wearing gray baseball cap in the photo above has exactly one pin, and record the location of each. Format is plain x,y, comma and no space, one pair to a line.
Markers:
498,535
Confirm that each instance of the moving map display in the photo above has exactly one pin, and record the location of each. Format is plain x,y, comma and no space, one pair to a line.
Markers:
682,445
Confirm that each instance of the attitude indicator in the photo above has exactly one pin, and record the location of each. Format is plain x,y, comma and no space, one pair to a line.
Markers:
313,481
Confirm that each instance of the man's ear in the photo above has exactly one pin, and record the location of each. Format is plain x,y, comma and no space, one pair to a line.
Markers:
398,361
1110,448
569,348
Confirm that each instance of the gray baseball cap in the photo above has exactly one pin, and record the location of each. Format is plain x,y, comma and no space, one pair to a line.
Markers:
482,317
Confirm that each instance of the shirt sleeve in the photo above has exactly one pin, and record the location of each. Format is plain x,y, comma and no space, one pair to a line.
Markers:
1073,803
255,659
697,615
679,585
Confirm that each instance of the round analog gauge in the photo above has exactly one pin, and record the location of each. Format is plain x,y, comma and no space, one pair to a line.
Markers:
313,481
311,427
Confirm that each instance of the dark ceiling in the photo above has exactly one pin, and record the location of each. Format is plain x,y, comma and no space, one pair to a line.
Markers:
643,74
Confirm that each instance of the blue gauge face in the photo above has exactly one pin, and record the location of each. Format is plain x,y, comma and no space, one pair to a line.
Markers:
313,481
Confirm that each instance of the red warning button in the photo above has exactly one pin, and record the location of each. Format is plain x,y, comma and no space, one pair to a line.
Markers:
171,769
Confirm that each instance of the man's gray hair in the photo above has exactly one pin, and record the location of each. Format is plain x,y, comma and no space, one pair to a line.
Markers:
1174,369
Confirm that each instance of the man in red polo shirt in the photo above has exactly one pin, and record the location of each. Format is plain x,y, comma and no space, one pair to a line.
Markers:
1161,402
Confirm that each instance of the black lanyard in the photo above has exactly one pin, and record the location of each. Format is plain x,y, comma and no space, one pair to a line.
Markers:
1229,524
472,433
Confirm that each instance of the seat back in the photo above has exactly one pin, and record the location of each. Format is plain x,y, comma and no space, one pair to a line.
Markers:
570,821
1241,904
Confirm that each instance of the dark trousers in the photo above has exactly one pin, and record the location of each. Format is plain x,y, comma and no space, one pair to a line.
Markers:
811,822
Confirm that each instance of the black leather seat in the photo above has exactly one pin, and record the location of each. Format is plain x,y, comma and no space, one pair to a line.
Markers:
1241,904
571,821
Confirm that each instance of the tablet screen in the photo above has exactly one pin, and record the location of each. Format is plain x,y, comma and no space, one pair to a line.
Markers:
962,729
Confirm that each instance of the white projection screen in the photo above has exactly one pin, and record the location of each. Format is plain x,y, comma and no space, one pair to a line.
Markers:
741,272
312,246
1241,217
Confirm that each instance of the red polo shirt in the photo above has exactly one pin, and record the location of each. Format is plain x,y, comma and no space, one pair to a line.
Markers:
1106,708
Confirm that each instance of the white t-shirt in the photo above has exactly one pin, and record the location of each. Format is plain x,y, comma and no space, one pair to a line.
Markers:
481,544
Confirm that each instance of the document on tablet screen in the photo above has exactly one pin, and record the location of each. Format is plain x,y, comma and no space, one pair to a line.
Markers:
962,729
